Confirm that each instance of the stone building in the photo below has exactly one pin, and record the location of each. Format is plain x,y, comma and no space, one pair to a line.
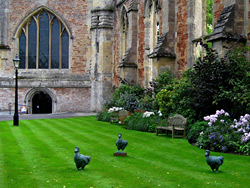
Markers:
73,53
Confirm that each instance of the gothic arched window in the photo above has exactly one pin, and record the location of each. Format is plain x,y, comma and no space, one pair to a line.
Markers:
152,22
124,31
44,43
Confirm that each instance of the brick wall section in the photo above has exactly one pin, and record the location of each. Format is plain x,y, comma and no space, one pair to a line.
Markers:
218,6
76,100
161,17
68,99
141,44
73,12
182,36
249,9
6,96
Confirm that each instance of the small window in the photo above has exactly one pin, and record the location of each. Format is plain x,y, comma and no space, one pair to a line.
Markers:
46,41
158,31
97,47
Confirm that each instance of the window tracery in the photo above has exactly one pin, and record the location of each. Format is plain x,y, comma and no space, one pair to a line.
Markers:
124,31
43,42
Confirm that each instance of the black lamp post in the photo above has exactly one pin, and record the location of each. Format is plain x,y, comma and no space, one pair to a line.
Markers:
16,117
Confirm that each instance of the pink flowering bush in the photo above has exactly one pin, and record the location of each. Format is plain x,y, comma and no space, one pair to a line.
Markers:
225,135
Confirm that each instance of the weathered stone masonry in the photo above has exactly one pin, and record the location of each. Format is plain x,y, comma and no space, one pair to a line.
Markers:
109,40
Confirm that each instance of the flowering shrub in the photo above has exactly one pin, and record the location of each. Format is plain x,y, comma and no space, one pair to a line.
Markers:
218,134
242,126
224,135
115,109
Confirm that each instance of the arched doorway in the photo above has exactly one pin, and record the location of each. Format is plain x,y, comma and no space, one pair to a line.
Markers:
41,103
43,97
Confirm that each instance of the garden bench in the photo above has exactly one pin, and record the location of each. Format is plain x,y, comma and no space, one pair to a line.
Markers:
114,118
123,114
117,117
177,123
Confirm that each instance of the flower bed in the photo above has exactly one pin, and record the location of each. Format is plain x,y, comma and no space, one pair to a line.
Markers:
225,135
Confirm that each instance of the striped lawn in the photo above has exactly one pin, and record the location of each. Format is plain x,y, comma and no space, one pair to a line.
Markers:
39,153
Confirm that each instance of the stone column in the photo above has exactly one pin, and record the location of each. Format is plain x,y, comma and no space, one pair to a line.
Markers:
4,12
195,27
102,56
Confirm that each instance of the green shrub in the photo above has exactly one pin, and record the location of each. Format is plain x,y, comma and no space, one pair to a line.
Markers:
126,96
235,95
164,79
195,130
175,98
220,83
244,148
137,122
147,103
103,116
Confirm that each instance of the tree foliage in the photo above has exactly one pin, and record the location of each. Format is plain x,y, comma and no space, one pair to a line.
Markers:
209,16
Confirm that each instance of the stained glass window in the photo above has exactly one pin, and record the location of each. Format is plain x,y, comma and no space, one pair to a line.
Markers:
44,43
32,44
22,50
55,43
65,50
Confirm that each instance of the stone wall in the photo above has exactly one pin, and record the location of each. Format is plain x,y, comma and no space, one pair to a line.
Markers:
102,54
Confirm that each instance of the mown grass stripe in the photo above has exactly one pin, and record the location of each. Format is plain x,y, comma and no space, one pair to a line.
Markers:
2,177
175,143
38,155
104,162
147,163
152,161
15,172
59,154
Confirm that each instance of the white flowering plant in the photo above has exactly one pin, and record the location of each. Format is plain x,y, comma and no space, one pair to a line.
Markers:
148,114
115,109
145,122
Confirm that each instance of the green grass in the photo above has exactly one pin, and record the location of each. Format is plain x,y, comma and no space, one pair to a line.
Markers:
39,153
